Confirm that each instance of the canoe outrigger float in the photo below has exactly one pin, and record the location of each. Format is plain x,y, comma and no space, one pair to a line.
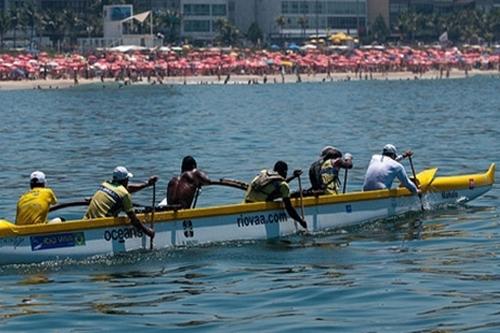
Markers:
190,227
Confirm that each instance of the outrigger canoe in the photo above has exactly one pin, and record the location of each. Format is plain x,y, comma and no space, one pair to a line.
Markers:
243,221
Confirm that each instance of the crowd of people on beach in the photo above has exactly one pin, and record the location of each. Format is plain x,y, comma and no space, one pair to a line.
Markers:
114,196
162,63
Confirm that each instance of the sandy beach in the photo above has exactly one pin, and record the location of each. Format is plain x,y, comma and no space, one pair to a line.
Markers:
245,79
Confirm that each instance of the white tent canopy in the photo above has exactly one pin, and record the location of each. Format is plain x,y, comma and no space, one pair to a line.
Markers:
139,17
127,48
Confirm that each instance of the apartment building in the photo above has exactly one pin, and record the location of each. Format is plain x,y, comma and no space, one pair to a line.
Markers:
304,17
199,17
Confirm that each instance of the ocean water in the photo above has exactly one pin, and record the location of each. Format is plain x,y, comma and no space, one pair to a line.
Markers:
438,271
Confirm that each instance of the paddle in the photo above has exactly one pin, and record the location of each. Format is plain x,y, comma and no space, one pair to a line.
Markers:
198,189
230,183
153,205
416,183
86,202
345,182
348,157
301,197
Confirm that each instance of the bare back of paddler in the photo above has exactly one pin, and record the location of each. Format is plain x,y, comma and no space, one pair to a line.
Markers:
181,189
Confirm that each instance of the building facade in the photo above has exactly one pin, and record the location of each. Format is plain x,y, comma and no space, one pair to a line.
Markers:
292,19
199,18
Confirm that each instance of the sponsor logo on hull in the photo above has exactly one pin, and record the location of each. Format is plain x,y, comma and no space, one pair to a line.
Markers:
70,239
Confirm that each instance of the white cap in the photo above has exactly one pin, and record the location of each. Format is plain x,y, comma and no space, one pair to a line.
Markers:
390,149
38,177
121,173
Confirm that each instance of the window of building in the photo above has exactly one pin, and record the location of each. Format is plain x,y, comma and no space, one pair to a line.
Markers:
196,26
336,22
284,7
196,10
320,7
304,7
219,10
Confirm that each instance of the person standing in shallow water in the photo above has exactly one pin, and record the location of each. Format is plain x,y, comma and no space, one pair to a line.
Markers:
182,189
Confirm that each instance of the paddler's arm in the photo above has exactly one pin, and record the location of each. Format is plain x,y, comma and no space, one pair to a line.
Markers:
406,154
139,186
293,213
201,178
296,173
405,180
139,225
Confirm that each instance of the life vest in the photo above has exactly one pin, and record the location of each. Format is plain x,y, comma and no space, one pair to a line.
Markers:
263,180
330,176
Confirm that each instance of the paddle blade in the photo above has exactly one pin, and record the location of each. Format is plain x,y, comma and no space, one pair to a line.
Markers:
426,177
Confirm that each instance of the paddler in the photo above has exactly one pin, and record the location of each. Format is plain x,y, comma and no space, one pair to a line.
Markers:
181,190
271,185
33,206
385,167
113,197
324,173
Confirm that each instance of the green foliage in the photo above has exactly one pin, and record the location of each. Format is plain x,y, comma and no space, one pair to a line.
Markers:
281,22
227,33
254,33
379,30
4,26
463,26
303,24
168,22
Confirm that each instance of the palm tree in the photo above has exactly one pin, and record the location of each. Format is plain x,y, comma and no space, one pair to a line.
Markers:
4,27
52,23
407,24
228,34
379,30
168,22
491,25
73,26
254,33
32,18
281,22
303,24
15,19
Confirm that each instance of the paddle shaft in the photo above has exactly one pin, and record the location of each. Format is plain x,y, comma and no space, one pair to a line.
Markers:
230,183
86,203
153,205
416,183
196,196
301,197
345,182
69,204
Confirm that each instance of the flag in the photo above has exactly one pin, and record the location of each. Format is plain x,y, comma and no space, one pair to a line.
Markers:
443,39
